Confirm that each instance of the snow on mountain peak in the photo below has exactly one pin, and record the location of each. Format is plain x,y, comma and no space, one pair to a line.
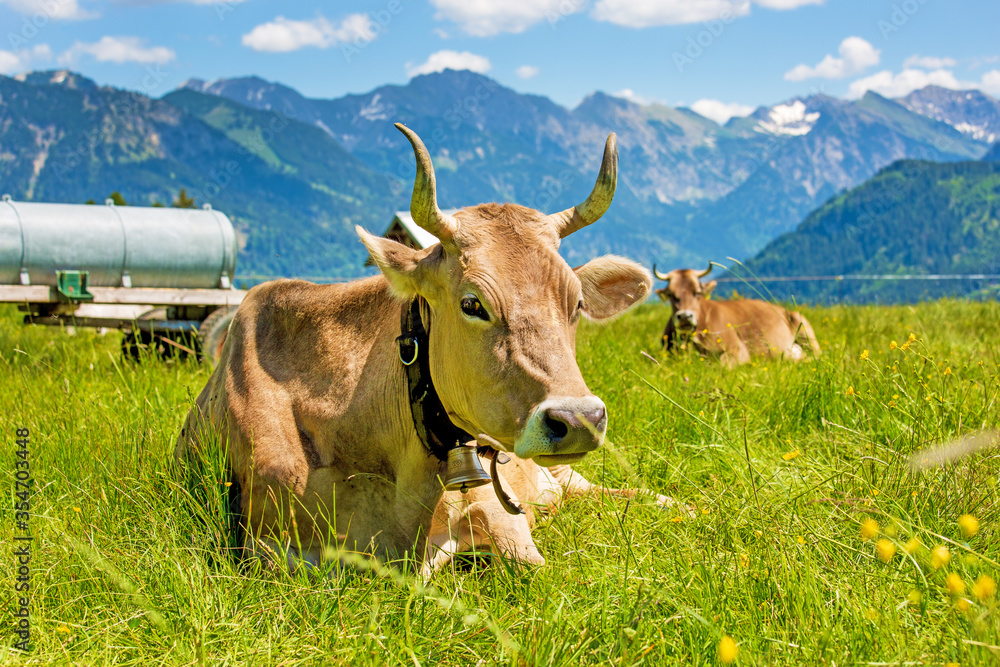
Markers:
790,119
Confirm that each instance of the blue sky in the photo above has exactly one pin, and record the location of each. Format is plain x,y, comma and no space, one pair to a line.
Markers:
719,56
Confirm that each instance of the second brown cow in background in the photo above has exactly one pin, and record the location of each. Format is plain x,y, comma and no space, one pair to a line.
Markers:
731,330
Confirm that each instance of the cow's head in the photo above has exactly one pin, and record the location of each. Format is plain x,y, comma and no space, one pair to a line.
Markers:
504,308
685,293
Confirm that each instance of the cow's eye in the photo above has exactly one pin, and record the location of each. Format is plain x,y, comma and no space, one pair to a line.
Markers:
473,308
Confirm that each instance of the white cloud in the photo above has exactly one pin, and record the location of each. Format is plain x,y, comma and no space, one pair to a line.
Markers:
483,18
119,50
446,59
856,55
60,10
990,83
647,13
526,71
632,96
888,84
720,112
12,62
282,35
928,62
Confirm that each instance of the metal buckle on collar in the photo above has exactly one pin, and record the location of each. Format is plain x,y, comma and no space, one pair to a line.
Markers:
416,350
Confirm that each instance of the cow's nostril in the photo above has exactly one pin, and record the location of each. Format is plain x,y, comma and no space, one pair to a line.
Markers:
597,419
557,428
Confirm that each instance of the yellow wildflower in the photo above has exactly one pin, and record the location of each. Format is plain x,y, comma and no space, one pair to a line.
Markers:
911,338
984,588
850,391
940,556
893,345
788,456
728,650
963,604
969,525
800,539
892,404
954,584
677,519
905,346
869,528
744,560
947,371
77,510
864,355
63,629
885,549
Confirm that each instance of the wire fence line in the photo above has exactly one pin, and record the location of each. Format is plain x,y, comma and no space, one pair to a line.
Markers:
776,279
848,276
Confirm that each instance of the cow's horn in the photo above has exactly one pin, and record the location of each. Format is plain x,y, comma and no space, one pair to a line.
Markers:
660,276
706,271
423,205
597,203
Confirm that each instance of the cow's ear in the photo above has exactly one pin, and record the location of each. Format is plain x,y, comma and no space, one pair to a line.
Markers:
611,285
707,289
403,266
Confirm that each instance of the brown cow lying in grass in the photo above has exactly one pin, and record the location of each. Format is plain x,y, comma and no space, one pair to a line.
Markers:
731,330
314,402
477,522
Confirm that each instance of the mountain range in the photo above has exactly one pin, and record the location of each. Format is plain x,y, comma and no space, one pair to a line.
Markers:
296,174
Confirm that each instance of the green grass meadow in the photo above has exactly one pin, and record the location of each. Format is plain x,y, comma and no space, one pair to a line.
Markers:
784,464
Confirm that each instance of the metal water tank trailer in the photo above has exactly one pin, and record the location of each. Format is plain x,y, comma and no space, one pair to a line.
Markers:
120,246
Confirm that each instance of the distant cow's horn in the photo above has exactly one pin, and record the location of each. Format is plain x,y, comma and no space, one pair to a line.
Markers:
597,203
706,271
660,276
423,205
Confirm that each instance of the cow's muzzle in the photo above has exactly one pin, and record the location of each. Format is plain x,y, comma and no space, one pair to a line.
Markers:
562,430
687,320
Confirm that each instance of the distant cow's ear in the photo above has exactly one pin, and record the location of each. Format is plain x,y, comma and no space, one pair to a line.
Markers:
400,264
611,285
707,289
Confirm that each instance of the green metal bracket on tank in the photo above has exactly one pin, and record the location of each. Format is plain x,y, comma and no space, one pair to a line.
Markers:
72,285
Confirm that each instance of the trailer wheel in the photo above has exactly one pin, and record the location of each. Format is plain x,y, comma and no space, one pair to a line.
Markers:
213,330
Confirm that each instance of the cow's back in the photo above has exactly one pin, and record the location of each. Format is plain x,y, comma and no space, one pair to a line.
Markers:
763,327
307,397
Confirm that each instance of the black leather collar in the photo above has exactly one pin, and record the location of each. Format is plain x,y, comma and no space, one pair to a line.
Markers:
429,416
